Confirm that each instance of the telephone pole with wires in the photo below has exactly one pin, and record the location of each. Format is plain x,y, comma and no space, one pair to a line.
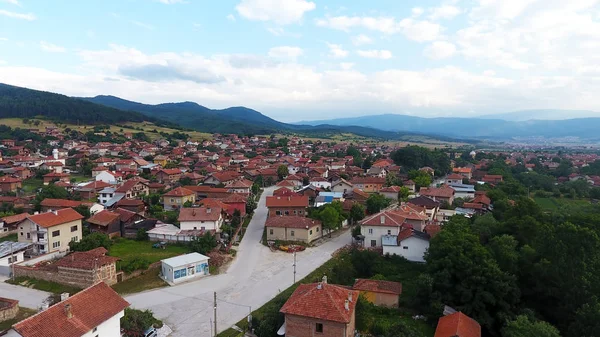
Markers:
294,267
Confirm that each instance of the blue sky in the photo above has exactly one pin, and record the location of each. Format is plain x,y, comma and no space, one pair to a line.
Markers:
300,59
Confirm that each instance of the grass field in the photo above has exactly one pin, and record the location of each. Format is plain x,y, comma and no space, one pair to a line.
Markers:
31,185
145,127
11,237
127,250
51,287
554,203
21,315
148,280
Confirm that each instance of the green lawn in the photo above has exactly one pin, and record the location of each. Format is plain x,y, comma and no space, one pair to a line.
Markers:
31,185
79,178
21,315
127,250
51,287
551,204
11,237
146,281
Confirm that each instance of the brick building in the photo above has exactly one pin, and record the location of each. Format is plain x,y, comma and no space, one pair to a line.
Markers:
379,292
293,228
9,184
287,206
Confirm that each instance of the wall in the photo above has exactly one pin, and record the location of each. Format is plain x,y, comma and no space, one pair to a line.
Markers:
8,309
208,225
18,255
177,202
300,211
75,277
384,300
110,327
64,238
300,234
415,251
298,326
378,231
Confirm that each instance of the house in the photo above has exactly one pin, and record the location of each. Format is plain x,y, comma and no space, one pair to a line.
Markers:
379,292
342,186
168,175
53,166
10,253
242,186
177,197
454,179
492,178
368,184
360,196
9,223
105,194
381,226
133,205
376,171
224,178
90,190
293,228
409,243
320,309
444,193
457,325
290,205
184,268
9,184
412,187
107,176
52,177
49,204
133,188
463,171
106,222
51,231
321,182
390,192
431,206
95,311
463,191
201,218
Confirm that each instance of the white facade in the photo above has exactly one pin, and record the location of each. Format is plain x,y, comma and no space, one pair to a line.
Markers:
322,184
373,234
12,258
205,225
106,177
412,248
110,328
105,195
184,268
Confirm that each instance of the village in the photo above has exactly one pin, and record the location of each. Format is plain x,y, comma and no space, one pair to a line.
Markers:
181,227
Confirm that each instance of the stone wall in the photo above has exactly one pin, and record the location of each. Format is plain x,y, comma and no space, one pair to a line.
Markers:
81,278
8,309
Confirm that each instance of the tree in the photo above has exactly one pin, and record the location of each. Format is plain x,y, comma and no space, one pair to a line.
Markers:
403,194
186,181
141,235
467,278
188,204
136,322
282,172
50,191
356,231
392,180
203,244
330,218
83,210
260,181
357,212
524,326
420,178
587,320
90,242
376,202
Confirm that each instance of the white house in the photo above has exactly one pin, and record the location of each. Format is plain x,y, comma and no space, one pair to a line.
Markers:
106,177
410,243
10,253
378,225
201,218
184,268
342,186
106,194
320,182
95,311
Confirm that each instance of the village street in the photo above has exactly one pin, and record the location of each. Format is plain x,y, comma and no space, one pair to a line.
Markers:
253,278
28,298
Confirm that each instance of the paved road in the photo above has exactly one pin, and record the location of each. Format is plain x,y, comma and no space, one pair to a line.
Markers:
28,298
255,277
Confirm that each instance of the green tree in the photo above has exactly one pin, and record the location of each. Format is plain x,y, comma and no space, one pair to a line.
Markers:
282,172
357,212
90,242
421,178
523,326
587,320
330,219
83,210
50,191
136,322
141,235
403,194
376,202
203,244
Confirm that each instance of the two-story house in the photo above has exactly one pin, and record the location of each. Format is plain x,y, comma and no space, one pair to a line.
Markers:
380,226
51,231
95,311
133,188
293,228
177,197
317,309
284,206
368,184
106,222
9,184
168,175
201,218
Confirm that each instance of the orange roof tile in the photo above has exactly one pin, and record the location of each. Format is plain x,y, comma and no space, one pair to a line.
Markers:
58,217
179,192
326,303
291,222
104,218
378,286
457,325
289,201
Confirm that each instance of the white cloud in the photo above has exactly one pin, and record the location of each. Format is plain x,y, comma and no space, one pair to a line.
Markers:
361,39
279,11
277,31
3,39
230,17
346,65
143,25
417,11
285,52
13,2
440,50
51,48
336,51
172,2
375,54
21,16
417,30
2,62
444,12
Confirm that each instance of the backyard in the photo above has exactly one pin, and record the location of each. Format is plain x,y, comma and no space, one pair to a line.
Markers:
43,285
21,315
148,280
128,250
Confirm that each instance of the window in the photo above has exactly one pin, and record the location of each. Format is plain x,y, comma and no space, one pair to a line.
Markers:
317,229
295,212
75,239
55,234
287,212
373,243
370,230
179,201
21,233
73,229
292,233
270,231
310,232
55,244
319,327
95,329
172,200
389,232
405,247
28,235
277,212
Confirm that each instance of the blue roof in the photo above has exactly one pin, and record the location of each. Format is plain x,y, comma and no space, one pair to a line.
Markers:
336,195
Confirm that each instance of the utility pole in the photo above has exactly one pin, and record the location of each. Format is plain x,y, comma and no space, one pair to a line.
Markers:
12,265
294,267
215,307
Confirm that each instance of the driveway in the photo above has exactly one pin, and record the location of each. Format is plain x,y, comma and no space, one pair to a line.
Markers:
28,298
253,278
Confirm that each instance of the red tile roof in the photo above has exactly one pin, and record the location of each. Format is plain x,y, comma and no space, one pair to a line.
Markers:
200,214
90,260
442,192
284,191
125,214
390,189
455,176
378,286
15,218
457,325
10,180
58,217
104,218
130,202
179,192
59,203
432,230
326,303
89,308
385,219
289,201
291,222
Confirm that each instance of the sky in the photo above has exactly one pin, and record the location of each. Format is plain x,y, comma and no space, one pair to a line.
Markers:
309,60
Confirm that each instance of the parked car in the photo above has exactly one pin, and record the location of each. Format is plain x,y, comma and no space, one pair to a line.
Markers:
160,244
151,332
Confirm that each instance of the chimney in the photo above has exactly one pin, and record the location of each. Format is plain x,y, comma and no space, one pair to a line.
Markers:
382,218
68,310
64,296
324,279
208,210
193,212
319,286
347,305
350,296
